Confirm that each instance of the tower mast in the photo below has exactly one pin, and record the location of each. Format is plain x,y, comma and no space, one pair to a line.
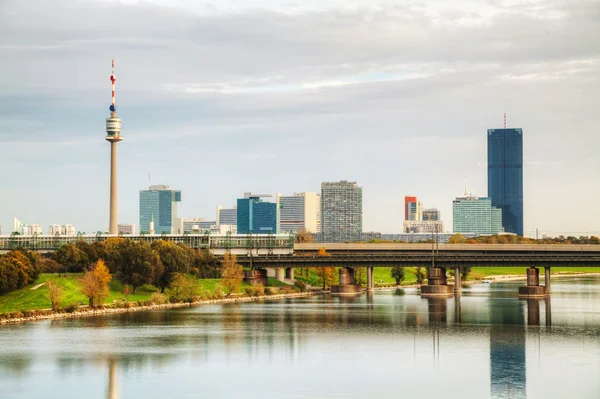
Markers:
113,135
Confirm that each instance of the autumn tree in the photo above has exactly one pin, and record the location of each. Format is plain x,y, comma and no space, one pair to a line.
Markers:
55,292
326,274
232,273
17,269
360,275
183,288
398,274
303,236
457,239
175,260
94,283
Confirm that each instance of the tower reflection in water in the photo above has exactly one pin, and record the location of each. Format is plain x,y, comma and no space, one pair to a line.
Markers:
508,358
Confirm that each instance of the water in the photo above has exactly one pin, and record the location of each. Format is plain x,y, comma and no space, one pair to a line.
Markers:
489,344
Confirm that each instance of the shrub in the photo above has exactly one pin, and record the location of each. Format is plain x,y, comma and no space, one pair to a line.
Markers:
157,298
300,285
269,291
28,313
70,308
260,290
16,315
250,291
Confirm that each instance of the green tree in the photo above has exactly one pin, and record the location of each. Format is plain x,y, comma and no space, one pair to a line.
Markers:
420,274
398,274
135,262
232,273
360,275
174,258
88,250
71,257
464,272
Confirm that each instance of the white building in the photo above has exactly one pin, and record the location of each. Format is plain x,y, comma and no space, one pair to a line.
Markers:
126,229
16,225
29,230
61,230
423,226
301,211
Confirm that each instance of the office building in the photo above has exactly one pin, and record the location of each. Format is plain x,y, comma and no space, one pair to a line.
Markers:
126,229
341,211
257,216
194,225
473,214
301,211
505,176
159,203
431,214
423,226
227,216
412,208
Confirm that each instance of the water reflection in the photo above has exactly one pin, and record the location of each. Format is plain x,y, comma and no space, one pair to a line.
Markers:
484,334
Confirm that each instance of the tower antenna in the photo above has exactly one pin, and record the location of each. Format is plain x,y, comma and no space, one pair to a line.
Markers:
505,120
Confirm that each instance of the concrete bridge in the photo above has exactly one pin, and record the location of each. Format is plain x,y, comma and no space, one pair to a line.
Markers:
436,258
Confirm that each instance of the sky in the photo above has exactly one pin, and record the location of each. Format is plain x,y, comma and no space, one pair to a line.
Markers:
222,97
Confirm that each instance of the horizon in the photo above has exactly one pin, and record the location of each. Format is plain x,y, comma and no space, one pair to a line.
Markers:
220,100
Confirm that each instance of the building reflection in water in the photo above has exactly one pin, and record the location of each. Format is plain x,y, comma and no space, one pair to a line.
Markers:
113,389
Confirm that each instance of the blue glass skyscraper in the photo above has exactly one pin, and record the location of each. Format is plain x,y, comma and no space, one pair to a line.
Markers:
159,203
256,216
505,176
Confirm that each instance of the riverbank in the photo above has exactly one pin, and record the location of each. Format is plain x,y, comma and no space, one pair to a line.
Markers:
134,307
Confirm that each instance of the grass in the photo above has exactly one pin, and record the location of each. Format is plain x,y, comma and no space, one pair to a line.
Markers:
482,272
28,299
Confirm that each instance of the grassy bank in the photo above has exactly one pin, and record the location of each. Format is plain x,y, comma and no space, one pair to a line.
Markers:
35,296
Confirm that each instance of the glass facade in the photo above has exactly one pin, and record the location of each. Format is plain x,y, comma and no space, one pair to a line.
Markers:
476,215
505,176
159,203
292,213
227,216
341,211
256,217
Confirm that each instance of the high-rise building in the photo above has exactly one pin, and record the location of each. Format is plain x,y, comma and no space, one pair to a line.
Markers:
257,216
126,229
412,208
159,203
423,226
473,214
61,230
341,211
431,214
505,176
113,135
226,216
301,211
29,230
193,225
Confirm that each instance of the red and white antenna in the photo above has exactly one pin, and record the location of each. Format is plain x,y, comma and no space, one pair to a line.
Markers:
113,79
114,102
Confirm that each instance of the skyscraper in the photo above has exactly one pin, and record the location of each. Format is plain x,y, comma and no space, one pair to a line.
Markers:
473,214
431,214
505,176
226,216
341,211
113,135
411,208
159,203
301,211
257,216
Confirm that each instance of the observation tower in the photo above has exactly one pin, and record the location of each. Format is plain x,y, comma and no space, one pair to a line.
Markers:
113,135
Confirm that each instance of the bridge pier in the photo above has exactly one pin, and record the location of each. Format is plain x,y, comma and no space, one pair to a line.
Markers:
347,283
280,274
255,276
289,273
437,283
547,279
370,279
457,281
533,288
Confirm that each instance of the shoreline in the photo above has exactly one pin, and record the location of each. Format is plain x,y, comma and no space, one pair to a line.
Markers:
86,312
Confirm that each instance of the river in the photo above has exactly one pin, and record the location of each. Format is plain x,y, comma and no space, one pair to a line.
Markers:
387,345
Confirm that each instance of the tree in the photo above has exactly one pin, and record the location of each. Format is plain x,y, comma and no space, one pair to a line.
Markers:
89,251
325,273
71,257
398,274
135,262
175,260
94,283
464,272
360,275
303,236
232,273
420,274
457,239
17,270
183,287
54,294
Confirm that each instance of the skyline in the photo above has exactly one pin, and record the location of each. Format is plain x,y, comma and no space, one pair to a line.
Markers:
396,113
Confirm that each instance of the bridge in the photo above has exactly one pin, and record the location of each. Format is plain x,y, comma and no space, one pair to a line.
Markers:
437,258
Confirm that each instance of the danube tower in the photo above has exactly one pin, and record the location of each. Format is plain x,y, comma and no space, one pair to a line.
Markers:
113,135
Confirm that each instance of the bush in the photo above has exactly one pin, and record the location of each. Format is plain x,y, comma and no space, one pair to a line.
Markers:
250,291
300,285
158,299
16,315
71,308
260,290
269,291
